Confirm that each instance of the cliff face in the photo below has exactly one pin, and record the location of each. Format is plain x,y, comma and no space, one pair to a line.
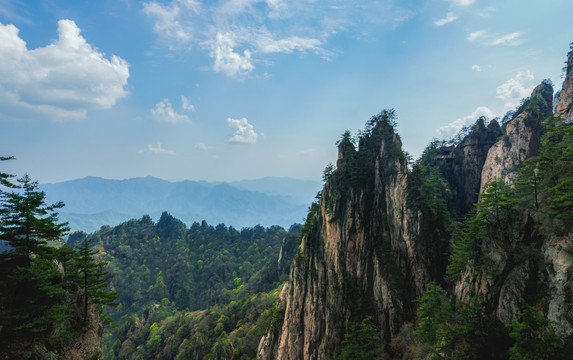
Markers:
90,343
462,165
360,255
530,264
522,139
466,175
565,102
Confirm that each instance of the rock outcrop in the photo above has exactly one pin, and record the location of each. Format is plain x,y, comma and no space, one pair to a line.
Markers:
565,101
89,345
462,164
522,139
529,264
361,254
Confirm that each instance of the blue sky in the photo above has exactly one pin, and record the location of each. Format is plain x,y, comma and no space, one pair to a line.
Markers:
241,89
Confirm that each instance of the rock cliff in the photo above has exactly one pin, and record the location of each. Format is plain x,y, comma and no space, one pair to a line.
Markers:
565,101
462,164
531,264
89,345
361,254
522,139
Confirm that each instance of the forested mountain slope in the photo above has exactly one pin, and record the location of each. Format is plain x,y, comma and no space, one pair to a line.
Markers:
168,275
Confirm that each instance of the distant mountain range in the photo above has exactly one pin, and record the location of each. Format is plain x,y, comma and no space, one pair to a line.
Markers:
92,202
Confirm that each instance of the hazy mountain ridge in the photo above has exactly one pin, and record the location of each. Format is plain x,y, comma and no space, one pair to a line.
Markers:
92,202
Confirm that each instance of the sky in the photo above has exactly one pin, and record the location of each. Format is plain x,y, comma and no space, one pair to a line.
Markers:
243,89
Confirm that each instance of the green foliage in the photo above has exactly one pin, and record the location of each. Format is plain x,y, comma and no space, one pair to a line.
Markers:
166,268
356,166
39,283
226,331
91,277
4,177
497,211
456,330
362,342
534,336
555,164
496,218
27,223
435,309
327,172
466,241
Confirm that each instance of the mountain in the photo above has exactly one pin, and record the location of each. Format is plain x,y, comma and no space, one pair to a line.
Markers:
301,191
393,263
92,202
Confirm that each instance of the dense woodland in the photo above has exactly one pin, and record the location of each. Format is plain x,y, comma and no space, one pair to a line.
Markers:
165,271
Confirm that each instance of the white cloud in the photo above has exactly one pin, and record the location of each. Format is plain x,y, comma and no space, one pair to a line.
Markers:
512,39
267,44
167,23
163,112
513,90
476,35
487,12
244,132
60,81
203,147
463,3
186,105
277,8
157,149
452,128
476,68
237,34
450,17
226,59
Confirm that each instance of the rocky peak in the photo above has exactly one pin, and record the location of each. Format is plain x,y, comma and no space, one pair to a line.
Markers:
359,256
565,101
522,139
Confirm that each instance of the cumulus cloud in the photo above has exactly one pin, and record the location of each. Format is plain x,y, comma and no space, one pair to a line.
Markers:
513,90
512,39
60,81
244,132
225,57
164,112
156,149
452,128
450,17
476,68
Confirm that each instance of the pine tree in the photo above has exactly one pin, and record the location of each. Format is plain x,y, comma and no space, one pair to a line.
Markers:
33,292
4,176
27,223
92,279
